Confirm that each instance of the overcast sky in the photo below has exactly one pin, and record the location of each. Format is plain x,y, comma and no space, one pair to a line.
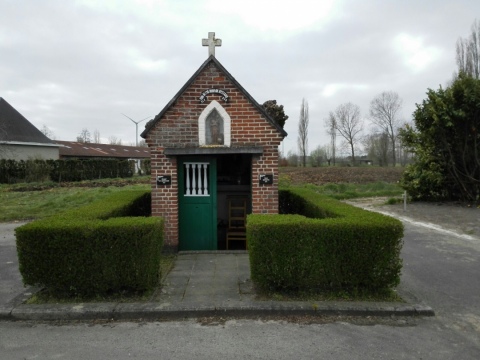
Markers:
69,65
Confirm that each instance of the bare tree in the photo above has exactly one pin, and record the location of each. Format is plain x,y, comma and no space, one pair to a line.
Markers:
468,52
84,136
348,124
331,126
317,156
303,131
377,146
327,150
113,140
404,155
385,113
47,132
96,137
292,158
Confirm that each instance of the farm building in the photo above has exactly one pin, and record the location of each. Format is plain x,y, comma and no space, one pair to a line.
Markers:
85,151
20,139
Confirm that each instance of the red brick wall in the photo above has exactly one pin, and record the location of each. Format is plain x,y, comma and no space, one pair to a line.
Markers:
265,197
165,198
178,128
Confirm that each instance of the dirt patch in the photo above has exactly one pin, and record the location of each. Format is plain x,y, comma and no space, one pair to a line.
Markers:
325,175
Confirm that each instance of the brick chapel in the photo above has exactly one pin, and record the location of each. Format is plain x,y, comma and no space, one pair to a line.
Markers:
214,159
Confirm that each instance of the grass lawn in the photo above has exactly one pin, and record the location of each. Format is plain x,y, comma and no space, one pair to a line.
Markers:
30,204
344,191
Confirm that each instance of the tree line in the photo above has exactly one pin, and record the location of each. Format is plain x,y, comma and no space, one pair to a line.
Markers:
381,146
443,138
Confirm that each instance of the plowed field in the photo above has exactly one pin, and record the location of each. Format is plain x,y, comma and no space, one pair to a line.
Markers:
324,175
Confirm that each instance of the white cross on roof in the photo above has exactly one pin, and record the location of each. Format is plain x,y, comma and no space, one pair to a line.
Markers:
211,42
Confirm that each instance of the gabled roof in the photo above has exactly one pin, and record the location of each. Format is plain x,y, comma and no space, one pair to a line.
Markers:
90,150
14,127
151,124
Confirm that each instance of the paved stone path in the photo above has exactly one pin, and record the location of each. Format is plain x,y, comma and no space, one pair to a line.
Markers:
209,278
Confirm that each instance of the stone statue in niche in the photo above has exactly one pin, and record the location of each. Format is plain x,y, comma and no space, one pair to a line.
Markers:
214,129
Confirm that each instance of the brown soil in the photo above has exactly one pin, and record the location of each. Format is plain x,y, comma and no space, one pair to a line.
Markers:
324,175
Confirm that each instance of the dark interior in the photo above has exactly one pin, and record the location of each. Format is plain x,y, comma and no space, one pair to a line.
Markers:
233,182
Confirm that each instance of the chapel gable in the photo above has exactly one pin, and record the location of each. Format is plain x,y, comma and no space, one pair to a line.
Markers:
214,160
212,109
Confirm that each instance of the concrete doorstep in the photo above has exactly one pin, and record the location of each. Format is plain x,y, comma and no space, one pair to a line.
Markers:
206,285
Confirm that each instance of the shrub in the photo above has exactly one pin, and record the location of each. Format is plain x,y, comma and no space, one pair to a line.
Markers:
326,245
12,171
146,166
445,139
78,170
95,249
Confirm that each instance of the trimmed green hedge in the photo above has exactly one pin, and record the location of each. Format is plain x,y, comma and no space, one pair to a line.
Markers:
96,249
320,243
79,170
12,171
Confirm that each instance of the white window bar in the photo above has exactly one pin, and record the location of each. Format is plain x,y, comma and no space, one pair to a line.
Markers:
188,189
205,181
196,179
200,187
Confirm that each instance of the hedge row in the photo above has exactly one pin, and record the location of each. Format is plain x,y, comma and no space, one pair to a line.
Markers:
106,246
321,243
79,170
12,171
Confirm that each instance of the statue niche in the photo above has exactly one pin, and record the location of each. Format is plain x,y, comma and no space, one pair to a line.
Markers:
214,129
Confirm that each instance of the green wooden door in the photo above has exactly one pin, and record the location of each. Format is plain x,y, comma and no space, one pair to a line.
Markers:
197,193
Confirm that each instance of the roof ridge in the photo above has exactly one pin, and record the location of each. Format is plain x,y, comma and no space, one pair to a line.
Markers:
150,124
18,127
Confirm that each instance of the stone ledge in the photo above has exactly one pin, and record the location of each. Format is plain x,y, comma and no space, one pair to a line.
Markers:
167,310
217,150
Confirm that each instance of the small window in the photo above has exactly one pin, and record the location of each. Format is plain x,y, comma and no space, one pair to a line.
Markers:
196,179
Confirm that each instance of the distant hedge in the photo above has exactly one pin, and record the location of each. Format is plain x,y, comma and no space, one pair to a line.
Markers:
12,171
107,246
320,243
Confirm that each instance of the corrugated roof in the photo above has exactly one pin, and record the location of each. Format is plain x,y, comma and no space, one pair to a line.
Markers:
14,127
91,150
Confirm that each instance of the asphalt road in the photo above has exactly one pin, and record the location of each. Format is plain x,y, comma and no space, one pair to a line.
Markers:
440,269
444,272
236,339
10,279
